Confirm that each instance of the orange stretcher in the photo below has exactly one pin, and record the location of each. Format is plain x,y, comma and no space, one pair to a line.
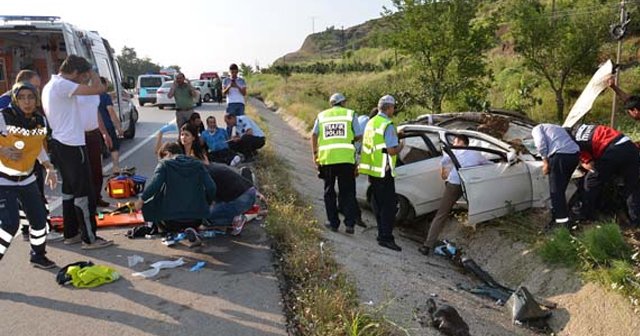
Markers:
124,215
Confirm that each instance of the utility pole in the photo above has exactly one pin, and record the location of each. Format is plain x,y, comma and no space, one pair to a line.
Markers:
623,16
342,41
313,24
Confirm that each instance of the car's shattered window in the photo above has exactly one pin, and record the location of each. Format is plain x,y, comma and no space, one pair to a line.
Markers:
414,150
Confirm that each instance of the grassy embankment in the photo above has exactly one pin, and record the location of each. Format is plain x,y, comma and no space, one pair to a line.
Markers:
600,253
319,298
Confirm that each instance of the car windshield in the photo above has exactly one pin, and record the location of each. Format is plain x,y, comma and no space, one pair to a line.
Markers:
197,83
146,82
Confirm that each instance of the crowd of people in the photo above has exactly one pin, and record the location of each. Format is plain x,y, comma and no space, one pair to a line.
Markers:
65,127
204,190
345,145
195,184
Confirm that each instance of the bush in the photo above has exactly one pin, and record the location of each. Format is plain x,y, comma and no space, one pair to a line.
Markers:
605,243
560,249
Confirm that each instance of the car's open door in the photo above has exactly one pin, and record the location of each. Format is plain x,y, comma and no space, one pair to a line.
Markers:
494,189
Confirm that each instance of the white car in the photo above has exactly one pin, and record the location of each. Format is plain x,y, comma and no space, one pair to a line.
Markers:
205,87
162,100
513,182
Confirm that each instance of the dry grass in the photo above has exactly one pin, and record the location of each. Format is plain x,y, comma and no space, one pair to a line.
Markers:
320,299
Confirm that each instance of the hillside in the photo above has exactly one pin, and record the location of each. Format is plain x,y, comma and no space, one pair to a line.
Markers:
332,42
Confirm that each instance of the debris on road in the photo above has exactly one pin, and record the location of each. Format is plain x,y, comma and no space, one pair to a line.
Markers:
157,266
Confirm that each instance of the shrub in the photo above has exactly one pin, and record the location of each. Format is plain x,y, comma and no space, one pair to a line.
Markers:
560,249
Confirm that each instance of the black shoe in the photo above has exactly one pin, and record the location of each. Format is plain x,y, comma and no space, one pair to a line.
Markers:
360,223
425,250
331,227
42,262
390,245
350,230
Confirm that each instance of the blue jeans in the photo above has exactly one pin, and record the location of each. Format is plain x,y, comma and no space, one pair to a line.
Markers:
236,109
222,213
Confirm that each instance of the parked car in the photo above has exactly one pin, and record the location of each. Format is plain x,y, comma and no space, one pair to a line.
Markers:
205,87
147,86
513,182
162,100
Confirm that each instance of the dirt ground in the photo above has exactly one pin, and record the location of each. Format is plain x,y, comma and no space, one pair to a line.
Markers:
398,284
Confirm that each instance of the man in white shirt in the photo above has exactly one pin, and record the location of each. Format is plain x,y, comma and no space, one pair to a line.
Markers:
235,89
248,138
59,100
452,189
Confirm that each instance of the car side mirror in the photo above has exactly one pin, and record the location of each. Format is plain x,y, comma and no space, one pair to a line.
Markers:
130,83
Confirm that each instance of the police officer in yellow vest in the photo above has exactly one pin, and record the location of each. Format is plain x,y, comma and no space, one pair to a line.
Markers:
380,146
334,133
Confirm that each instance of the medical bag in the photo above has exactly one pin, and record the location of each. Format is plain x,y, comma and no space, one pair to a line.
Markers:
121,187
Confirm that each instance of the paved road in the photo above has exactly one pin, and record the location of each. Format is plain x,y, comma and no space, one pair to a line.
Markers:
235,294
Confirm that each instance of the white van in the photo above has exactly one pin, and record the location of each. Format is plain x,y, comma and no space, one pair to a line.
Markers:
41,43
147,87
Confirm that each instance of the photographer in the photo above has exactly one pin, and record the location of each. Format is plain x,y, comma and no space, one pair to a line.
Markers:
235,89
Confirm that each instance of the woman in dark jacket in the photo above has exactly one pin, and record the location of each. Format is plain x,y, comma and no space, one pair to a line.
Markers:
180,190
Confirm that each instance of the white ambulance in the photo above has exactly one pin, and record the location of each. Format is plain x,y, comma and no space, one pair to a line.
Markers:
41,43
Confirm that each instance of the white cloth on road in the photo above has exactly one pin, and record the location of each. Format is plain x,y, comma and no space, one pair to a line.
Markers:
157,266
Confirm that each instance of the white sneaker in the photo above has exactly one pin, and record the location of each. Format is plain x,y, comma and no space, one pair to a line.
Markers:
238,224
54,236
236,161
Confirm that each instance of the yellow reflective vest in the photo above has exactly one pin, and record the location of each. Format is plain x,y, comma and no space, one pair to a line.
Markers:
374,158
336,136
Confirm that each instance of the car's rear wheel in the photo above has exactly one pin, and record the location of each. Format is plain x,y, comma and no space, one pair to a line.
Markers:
405,213
207,98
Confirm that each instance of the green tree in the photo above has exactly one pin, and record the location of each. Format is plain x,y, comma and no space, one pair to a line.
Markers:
246,69
283,70
133,66
176,67
446,43
559,40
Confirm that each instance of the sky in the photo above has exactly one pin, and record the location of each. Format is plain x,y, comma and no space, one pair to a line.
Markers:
200,35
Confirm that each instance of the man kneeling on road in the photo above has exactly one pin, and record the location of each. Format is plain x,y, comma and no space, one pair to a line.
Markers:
178,195
234,196
452,189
